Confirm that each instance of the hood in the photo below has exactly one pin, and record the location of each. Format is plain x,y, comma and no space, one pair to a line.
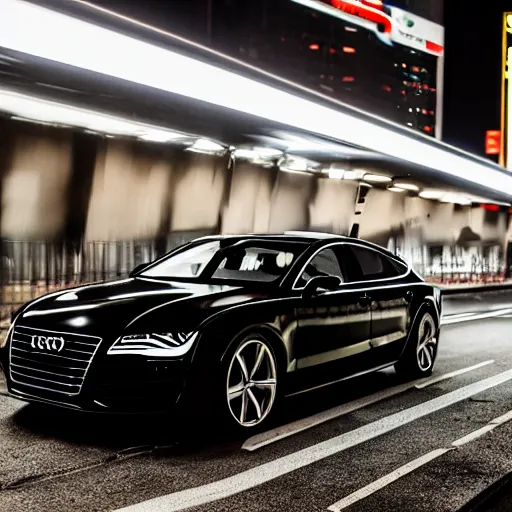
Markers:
104,308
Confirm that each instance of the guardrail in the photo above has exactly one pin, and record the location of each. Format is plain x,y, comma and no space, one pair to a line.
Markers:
29,269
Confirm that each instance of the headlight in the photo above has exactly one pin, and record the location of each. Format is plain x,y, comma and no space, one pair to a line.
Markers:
154,345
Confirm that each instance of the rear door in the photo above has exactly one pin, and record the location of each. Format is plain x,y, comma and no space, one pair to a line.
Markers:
390,294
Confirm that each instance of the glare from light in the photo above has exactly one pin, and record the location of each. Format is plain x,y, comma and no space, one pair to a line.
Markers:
247,154
336,173
351,175
33,109
396,189
257,153
431,194
297,164
67,296
79,321
407,186
268,152
455,199
38,31
160,137
376,178
206,146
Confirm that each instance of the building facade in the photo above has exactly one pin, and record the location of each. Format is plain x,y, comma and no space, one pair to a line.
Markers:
383,57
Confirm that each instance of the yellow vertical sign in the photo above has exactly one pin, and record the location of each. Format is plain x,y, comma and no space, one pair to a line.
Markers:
505,159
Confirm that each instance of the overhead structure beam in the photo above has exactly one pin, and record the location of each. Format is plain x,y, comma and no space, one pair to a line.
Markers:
44,33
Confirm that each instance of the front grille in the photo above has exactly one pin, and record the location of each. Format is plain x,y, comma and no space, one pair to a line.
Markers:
51,360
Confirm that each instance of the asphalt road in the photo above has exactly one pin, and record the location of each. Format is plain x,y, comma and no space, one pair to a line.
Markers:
376,443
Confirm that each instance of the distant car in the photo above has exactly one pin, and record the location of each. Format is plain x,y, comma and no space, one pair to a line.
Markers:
228,324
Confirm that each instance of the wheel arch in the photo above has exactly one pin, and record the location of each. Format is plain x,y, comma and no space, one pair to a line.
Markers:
270,335
428,304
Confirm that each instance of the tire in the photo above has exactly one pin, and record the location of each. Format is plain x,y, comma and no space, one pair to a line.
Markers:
419,357
249,388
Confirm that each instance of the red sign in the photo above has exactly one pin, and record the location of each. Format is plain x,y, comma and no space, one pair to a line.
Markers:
369,11
492,142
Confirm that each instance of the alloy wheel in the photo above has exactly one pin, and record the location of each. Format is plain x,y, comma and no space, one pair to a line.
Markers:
251,383
427,343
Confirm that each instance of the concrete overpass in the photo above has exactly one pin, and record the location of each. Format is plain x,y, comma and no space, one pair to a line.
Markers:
135,133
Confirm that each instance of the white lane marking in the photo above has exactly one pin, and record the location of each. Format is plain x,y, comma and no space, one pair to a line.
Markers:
479,316
460,315
500,420
379,484
272,436
268,471
473,435
435,380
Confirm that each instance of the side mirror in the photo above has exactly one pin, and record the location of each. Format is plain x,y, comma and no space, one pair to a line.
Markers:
138,268
315,284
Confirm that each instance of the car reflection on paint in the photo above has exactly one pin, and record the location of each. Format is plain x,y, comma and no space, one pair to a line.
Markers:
227,326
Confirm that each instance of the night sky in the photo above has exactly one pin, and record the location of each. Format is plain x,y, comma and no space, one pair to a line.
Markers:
472,71
472,64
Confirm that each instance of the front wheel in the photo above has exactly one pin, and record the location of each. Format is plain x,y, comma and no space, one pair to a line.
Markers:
420,355
251,383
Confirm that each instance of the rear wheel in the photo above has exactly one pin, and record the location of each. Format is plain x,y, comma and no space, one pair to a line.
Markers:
251,383
419,357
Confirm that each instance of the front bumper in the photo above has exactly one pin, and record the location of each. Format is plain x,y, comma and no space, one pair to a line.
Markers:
117,384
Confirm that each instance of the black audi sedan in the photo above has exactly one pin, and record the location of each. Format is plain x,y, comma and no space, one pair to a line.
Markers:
233,323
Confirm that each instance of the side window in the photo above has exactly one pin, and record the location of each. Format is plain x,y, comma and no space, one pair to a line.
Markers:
325,263
374,265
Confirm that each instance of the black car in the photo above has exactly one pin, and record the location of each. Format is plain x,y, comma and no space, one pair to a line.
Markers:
234,322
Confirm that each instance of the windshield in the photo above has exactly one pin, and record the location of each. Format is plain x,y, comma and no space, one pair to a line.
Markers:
188,263
250,262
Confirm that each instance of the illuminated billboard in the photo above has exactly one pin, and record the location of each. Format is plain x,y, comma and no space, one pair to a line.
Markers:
390,24
398,58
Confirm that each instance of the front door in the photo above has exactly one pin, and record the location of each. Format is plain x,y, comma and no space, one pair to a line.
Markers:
333,333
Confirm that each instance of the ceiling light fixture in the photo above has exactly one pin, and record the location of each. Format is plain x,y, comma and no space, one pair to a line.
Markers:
395,189
206,146
162,137
336,174
407,186
297,164
455,199
376,178
352,175
431,194
257,153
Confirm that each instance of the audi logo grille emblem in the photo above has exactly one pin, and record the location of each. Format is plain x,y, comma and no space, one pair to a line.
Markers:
48,343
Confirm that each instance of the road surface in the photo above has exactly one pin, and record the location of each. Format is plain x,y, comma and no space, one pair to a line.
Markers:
368,444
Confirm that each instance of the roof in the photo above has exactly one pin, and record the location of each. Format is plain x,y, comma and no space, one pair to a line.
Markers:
304,237
288,236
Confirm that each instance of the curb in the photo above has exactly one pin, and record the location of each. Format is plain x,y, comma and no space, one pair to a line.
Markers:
485,288
491,496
